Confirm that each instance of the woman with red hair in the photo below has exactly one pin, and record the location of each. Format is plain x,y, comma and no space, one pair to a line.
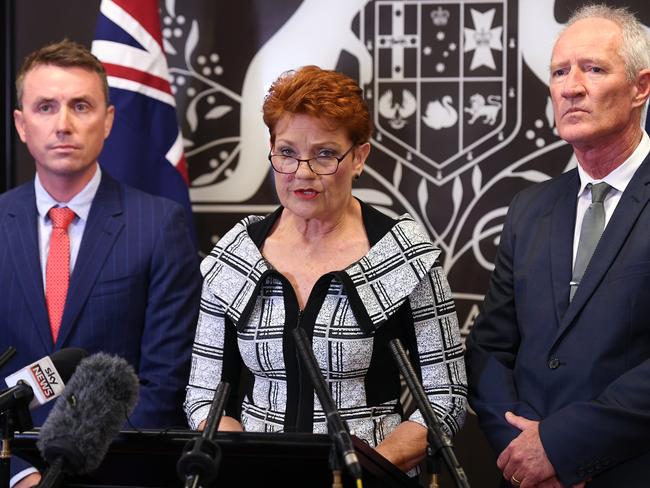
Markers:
351,277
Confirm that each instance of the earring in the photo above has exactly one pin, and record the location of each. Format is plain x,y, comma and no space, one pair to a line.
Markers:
357,176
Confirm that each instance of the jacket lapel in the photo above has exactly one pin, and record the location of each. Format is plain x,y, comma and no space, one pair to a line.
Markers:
632,202
22,237
561,245
104,224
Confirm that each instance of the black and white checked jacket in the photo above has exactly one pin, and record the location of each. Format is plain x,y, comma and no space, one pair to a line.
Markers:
397,290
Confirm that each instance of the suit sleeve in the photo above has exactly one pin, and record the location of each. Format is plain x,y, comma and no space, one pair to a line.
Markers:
585,438
492,349
170,317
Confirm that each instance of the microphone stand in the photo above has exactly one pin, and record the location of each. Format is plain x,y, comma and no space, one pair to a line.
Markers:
202,455
7,428
7,355
341,440
53,476
334,462
5,450
14,416
438,440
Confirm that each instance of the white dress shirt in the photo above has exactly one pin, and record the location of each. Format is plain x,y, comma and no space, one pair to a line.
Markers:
617,179
79,204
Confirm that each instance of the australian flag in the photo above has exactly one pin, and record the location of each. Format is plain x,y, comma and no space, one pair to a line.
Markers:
145,148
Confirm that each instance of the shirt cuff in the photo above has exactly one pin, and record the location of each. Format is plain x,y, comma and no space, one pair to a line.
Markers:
22,474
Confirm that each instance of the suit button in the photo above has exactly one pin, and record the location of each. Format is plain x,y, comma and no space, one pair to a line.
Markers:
553,363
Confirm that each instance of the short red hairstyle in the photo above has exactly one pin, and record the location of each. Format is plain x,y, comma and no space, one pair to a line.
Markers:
324,94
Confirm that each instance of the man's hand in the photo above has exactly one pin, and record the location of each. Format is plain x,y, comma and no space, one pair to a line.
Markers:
525,458
551,482
556,483
28,481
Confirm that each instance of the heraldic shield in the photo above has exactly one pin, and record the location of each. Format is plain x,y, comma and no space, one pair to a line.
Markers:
446,82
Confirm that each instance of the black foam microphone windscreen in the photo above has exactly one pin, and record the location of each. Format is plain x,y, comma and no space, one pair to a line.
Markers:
96,402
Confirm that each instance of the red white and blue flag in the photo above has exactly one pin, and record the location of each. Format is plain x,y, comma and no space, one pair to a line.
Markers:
145,148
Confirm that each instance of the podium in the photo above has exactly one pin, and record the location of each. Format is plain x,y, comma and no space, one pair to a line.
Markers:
147,459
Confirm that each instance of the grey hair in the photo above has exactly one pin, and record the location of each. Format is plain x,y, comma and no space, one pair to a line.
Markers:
635,47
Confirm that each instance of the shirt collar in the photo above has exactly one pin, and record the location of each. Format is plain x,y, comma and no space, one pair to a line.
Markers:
80,204
622,175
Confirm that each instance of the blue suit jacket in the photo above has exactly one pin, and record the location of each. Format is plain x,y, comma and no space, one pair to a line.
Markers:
581,368
134,292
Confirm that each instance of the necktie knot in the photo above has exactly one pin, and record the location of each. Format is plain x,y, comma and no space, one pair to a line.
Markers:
61,217
599,192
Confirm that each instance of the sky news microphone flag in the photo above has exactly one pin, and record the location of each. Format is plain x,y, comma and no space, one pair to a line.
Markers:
145,148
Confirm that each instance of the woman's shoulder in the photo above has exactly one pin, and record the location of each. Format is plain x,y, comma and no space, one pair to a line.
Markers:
233,270
236,243
239,230
381,226
394,267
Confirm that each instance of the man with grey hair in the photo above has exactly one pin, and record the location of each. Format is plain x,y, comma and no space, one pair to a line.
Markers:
559,358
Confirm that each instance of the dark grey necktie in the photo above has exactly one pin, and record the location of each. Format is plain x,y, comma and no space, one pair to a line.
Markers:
592,228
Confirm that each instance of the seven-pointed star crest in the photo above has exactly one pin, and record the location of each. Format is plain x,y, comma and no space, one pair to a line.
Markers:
482,39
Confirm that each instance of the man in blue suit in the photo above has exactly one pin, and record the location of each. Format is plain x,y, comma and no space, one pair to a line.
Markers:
559,358
133,282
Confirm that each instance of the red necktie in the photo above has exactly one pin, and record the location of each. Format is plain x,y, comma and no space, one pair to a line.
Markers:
57,273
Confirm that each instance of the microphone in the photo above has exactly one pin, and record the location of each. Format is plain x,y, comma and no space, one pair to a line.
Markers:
99,397
335,425
6,356
44,379
438,440
199,464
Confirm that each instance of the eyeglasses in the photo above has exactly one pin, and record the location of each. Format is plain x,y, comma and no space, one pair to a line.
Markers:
320,165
